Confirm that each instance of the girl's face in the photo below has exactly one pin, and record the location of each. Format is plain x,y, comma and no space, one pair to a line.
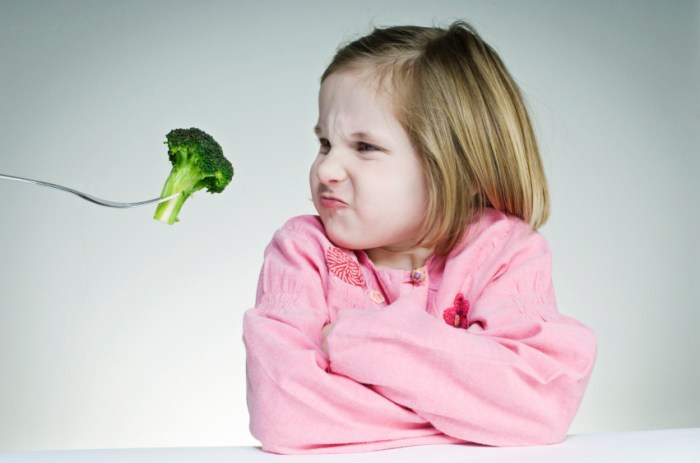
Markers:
367,183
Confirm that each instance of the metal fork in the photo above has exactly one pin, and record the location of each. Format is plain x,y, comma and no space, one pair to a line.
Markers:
87,197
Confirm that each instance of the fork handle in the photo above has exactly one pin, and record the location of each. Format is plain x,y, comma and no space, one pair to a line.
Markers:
85,196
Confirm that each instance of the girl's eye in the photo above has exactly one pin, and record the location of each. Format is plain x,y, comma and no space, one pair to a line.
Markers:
325,145
362,146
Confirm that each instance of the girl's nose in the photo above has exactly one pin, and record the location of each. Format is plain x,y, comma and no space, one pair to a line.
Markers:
330,170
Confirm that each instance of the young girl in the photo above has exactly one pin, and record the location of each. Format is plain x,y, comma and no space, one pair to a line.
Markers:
417,307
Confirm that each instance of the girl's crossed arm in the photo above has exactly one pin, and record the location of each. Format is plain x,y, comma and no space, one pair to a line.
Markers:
515,376
295,404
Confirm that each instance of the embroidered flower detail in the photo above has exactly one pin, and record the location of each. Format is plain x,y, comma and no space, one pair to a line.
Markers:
343,266
457,314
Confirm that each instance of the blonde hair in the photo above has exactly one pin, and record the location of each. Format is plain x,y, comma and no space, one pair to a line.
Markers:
466,118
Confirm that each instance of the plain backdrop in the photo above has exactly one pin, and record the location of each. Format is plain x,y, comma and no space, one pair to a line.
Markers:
119,331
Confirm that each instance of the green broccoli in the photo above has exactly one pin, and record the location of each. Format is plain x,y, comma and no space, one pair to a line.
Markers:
198,162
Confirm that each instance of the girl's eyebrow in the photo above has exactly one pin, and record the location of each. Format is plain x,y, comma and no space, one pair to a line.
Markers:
363,135
360,135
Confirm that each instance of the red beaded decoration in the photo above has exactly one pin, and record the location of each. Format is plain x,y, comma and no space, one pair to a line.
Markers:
342,265
457,314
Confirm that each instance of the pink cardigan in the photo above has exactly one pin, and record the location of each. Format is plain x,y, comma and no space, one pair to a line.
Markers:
470,348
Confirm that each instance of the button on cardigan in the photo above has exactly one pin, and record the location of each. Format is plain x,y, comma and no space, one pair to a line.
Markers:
471,349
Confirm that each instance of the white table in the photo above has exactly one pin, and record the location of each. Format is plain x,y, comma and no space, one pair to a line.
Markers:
667,446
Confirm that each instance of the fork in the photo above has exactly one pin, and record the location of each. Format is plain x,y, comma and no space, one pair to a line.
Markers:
87,197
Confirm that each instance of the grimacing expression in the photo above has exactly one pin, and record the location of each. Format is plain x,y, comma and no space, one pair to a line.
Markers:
366,182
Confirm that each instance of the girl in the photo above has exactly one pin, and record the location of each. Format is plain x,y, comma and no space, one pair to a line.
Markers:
417,307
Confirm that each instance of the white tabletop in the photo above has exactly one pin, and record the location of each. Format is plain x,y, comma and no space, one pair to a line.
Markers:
668,446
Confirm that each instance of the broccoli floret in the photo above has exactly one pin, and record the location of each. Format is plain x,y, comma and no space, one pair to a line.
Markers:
198,162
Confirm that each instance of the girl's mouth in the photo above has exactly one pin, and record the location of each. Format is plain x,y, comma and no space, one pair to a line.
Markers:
331,202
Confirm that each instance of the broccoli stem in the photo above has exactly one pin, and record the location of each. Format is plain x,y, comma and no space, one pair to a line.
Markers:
183,181
167,211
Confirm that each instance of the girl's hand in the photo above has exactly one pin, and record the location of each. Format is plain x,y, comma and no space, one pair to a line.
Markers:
324,337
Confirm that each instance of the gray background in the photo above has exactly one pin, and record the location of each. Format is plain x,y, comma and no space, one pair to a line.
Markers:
119,331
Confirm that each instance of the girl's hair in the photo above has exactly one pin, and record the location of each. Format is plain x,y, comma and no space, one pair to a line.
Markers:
466,119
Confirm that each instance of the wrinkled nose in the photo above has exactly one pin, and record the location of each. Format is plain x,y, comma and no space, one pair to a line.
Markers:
330,170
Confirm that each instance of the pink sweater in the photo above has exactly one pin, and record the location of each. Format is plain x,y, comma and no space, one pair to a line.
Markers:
471,349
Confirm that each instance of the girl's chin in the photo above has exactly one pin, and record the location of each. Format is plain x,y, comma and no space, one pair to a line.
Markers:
346,235
343,241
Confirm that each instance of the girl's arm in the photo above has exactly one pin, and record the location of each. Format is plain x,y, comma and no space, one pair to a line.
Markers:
515,377
295,404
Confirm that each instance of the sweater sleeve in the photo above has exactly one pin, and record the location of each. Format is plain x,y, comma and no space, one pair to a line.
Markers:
296,405
516,376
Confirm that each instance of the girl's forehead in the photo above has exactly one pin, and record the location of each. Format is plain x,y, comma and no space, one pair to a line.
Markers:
361,82
354,92
353,110
347,96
